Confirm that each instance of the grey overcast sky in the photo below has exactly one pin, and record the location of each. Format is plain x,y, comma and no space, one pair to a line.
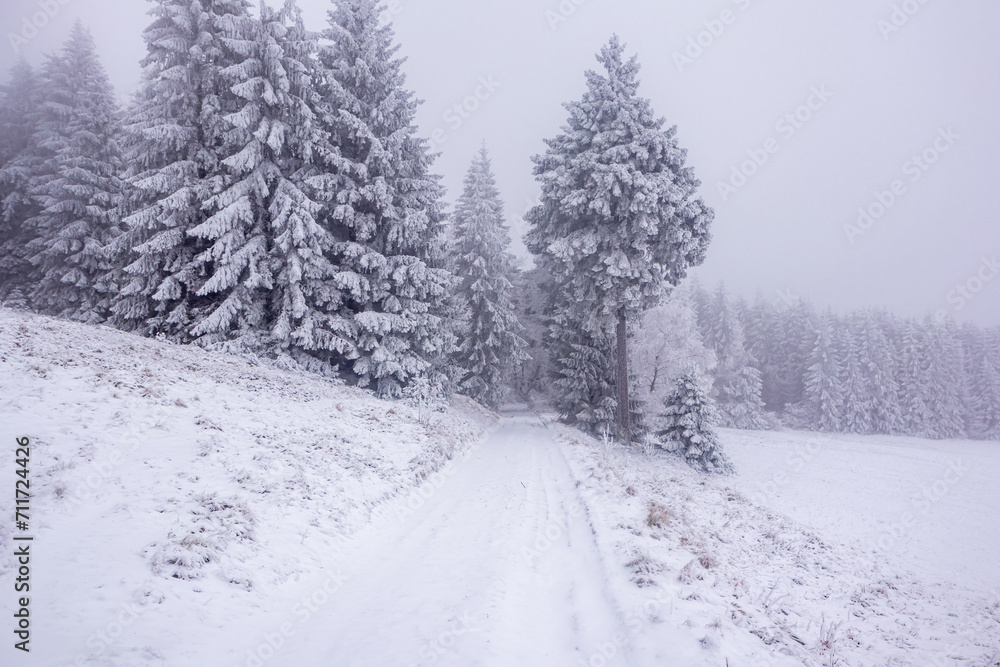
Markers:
888,81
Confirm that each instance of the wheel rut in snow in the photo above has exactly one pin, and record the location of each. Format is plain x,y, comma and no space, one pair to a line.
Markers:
497,567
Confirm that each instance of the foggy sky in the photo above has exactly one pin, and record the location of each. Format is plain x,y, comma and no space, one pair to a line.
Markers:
880,96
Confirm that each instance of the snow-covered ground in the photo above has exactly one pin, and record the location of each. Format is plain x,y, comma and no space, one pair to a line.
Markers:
182,498
819,548
194,509
929,506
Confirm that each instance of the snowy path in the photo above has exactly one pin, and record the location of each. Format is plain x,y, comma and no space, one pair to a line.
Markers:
464,579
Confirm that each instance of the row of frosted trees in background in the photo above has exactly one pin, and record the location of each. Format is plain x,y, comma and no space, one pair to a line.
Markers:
767,364
866,372
265,191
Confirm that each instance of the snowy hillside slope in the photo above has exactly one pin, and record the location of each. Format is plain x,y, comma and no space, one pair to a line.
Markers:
725,558
180,497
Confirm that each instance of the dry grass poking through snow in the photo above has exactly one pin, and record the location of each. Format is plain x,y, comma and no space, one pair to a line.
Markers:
182,480
734,569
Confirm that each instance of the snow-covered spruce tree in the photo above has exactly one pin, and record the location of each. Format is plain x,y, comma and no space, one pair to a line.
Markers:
914,382
948,396
824,396
490,342
856,403
528,380
383,205
878,364
687,426
583,375
737,382
20,157
77,187
987,388
740,402
618,225
269,276
175,141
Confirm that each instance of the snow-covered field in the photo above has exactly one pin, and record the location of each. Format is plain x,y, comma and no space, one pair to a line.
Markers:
193,509
824,549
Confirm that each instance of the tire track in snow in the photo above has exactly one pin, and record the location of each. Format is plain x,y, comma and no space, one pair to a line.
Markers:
453,584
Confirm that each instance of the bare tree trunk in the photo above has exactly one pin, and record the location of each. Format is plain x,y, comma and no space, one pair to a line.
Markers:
624,428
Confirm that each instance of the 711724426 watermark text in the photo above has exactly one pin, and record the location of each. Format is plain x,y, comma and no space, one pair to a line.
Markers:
22,546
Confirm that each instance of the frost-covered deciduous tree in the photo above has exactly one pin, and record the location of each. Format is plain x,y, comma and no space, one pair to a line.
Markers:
176,140
383,205
77,186
20,158
668,343
489,342
618,225
687,426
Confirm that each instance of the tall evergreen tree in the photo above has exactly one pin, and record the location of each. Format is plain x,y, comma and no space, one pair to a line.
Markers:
824,396
737,382
268,266
987,388
878,364
914,382
740,401
530,374
20,158
177,139
383,205
948,379
77,187
490,343
856,407
617,226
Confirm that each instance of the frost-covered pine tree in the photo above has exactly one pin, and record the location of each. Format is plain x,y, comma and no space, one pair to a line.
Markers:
383,204
878,363
77,187
742,407
583,383
490,342
737,382
824,397
269,275
20,158
948,379
987,388
617,226
529,378
856,403
176,140
687,426
914,382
